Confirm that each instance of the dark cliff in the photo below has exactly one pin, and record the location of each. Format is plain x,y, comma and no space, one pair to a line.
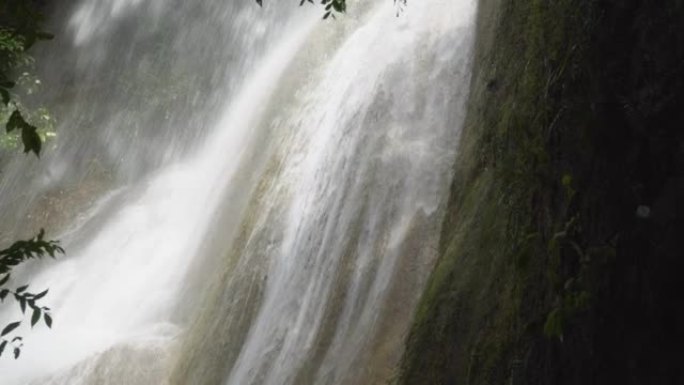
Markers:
560,257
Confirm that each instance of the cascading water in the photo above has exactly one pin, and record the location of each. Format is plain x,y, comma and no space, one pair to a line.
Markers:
273,190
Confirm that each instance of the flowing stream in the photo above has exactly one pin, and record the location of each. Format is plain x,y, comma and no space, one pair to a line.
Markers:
246,195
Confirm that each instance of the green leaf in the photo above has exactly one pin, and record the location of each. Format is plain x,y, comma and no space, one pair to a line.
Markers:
8,329
22,304
40,295
31,139
22,288
48,320
35,317
4,279
15,121
17,351
2,347
339,5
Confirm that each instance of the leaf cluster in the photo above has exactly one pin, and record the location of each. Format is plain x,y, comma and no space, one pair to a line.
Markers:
29,133
331,6
20,28
35,117
10,257
21,251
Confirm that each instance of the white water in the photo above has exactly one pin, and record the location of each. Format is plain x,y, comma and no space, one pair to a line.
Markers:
271,247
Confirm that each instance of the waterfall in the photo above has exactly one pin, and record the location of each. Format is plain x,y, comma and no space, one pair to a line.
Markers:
246,195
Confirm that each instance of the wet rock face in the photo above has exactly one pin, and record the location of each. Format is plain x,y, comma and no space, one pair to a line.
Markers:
592,91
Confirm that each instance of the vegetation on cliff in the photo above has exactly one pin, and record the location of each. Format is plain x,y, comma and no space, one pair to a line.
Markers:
559,258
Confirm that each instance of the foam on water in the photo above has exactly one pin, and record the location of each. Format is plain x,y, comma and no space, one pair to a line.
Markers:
288,242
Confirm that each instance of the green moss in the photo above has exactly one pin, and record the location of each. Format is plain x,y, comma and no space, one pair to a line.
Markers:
478,310
546,275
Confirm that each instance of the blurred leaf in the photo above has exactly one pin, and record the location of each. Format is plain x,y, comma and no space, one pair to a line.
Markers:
35,317
2,347
15,122
339,5
4,279
40,295
31,139
48,320
8,329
